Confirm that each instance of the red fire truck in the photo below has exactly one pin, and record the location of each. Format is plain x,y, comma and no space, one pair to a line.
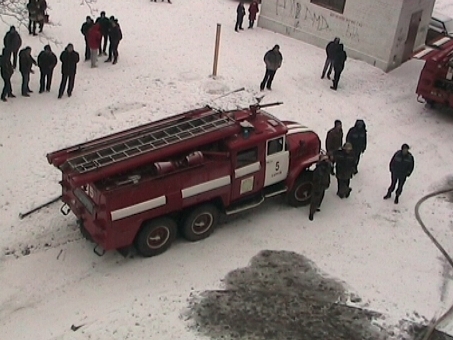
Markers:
435,84
140,186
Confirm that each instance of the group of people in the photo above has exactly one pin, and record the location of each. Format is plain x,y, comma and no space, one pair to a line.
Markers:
97,34
336,58
342,160
37,15
47,60
240,14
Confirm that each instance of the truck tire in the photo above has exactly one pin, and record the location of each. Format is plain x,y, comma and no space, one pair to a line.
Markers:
155,236
200,222
300,193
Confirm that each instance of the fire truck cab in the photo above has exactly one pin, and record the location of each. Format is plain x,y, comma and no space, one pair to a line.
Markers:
140,186
435,84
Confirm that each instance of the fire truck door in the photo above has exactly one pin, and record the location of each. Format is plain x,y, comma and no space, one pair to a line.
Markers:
277,161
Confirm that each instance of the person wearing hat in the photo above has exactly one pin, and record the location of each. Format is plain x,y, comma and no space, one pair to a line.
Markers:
104,22
357,136
26,61
6,71
12,42
86,26
321,182
115,36
338,65
334,140
331,51
273,60
47,60
69,60
344,168
401,167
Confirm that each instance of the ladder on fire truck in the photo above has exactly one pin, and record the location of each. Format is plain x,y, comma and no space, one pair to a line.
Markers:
149,141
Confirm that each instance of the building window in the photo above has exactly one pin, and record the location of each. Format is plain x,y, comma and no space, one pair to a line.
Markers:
334,5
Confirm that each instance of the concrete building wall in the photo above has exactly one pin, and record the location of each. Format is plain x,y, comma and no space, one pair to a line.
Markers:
372,30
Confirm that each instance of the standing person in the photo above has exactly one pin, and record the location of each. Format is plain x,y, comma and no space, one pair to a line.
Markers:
42,7
6,71
12,42
69,59
240,13
338,65
331,51
115,36
273,60
84,29
334,141
345,161
47,60
357,136
94,42
321,182
104,22
32,8
401,167
253,10
26,61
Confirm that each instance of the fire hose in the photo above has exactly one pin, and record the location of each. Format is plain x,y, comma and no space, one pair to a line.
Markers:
435,321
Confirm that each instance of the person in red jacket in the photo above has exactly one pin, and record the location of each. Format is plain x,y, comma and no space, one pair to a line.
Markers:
94,43
253,10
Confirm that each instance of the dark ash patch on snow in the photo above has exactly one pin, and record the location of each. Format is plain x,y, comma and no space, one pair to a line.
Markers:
283,296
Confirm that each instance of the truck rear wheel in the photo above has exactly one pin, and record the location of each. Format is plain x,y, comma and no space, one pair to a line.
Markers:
300,193
200,222
156,236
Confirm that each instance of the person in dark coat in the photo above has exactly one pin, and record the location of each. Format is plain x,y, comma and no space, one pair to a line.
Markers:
345,162
13,42
86,26
331,51
69,59
115,36
334,141
321,182
26,61
401,167
32,8
104,23
47,60
42,7
338,65
357,136
240,13
6,71
253,10
273,60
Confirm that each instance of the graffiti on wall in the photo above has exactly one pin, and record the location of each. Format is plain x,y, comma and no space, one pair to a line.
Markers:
301,14
352,27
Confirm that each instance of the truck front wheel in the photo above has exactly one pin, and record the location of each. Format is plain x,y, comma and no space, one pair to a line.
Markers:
200,222
156,236
300,193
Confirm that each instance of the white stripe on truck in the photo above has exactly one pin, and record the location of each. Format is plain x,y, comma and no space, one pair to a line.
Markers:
138,208
206,186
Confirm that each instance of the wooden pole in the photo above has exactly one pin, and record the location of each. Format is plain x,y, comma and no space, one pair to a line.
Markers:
216,50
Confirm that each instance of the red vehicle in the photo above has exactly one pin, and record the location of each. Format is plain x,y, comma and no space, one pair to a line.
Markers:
436,79
138,186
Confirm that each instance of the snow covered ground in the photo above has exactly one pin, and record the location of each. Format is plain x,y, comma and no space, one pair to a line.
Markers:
49,277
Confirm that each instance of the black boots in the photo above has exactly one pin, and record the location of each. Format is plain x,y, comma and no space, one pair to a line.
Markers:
389,194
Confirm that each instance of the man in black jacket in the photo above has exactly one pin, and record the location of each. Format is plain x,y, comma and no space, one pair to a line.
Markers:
84,29
338,65
357,136
115,36
26,61
344,168
6,71
273,60
47,60
401,167
32,8
331,51
12,42
240,13
104,23
321,182
69,59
